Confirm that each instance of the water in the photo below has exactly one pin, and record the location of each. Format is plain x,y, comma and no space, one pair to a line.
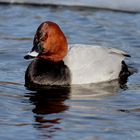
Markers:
101,111
125,5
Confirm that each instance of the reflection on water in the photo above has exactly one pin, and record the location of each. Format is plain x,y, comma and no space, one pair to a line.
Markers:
100,89
47,102
87,111
51,106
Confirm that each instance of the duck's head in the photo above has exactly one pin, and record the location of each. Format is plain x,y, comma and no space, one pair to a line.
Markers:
49,43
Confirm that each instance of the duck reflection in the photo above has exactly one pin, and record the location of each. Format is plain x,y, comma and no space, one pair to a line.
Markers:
50,101
48,104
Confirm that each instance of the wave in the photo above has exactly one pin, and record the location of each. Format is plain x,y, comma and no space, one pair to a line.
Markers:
122,5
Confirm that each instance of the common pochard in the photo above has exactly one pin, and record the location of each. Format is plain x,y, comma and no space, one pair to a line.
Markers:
58,64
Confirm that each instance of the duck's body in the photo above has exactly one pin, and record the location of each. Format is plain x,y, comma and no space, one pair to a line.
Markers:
56,65
93,64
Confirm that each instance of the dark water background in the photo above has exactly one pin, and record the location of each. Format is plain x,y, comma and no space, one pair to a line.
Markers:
92,112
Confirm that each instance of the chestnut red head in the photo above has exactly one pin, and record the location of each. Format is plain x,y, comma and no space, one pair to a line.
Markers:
49,43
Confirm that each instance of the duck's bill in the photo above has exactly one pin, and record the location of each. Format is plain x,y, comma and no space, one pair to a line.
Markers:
31,55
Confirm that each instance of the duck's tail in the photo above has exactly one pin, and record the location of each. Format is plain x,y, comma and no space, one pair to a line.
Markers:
125,72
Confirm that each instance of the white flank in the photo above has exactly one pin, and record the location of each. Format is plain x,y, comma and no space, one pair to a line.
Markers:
93,64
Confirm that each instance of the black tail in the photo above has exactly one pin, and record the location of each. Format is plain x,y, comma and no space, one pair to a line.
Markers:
125,72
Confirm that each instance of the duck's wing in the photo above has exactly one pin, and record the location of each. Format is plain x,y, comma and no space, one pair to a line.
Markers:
96,47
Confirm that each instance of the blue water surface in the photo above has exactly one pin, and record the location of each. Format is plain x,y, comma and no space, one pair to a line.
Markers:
88,112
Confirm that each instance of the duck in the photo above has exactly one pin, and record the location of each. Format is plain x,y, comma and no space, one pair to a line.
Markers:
57,64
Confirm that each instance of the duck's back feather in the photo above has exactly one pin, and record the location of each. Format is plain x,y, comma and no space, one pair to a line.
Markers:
94,64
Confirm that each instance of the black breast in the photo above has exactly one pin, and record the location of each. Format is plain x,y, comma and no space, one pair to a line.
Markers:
45,74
